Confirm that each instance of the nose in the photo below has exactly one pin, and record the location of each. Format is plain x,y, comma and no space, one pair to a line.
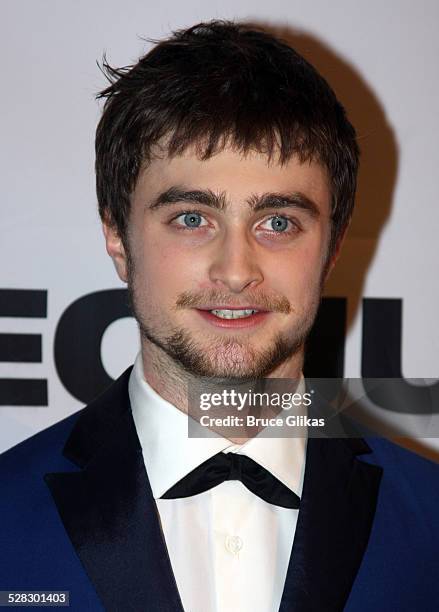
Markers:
235,266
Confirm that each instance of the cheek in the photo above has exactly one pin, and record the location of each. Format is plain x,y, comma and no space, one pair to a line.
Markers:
168,269
296,273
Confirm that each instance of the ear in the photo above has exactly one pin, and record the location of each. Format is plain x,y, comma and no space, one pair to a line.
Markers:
115,249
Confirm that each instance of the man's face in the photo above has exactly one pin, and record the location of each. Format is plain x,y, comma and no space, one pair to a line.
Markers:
227,260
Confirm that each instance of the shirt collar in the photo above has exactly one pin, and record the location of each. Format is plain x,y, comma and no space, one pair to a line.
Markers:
169,454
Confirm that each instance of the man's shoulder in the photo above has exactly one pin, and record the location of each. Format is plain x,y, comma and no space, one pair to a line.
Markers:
394,455
406,474
32,536
38,454
43,452
31,533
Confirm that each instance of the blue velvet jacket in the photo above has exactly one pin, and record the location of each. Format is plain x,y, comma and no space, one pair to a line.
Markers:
77,514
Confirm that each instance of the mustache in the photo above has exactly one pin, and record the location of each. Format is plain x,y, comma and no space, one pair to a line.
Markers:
261,301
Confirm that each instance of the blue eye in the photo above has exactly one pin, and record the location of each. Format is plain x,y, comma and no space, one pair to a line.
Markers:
190,220
279,224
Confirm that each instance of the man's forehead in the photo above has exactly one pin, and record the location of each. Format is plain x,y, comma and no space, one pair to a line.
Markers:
200,152
230,171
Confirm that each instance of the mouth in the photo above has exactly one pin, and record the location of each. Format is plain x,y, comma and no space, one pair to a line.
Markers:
233,317
229,313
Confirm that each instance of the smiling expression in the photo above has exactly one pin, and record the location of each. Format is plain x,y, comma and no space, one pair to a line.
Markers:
227,258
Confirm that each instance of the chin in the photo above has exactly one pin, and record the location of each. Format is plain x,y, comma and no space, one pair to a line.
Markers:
231,358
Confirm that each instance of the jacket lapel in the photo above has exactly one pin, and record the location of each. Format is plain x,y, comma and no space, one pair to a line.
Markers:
336,513
110,515
109,512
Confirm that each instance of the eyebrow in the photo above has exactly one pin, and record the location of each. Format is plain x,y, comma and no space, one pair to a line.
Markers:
219,201
174,195
284,200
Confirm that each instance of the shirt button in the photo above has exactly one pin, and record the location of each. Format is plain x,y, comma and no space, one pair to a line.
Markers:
234,544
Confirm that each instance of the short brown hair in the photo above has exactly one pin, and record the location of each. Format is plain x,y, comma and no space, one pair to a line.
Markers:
214,84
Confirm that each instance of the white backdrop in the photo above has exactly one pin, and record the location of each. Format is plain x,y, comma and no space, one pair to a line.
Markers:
381,57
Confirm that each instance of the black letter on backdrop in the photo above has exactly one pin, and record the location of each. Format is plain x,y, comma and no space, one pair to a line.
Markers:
78,341
324,355
22,348
381,358
325,344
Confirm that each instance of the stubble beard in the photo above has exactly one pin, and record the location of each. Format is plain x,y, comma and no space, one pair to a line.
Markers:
229,358
232,358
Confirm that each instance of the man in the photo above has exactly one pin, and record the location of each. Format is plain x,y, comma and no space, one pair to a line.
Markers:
226,172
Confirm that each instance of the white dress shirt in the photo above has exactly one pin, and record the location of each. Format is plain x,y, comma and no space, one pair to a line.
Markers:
229,549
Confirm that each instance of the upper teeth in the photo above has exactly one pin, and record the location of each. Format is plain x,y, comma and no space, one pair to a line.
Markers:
233,314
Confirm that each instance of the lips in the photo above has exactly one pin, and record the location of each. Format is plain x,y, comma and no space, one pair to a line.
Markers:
233,317
215,306
230,313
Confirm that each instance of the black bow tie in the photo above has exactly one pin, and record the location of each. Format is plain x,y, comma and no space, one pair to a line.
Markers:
232,466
